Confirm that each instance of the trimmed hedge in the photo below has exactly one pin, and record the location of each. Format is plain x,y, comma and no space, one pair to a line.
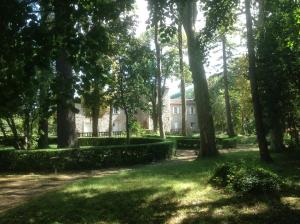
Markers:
89,157
194,143
227,142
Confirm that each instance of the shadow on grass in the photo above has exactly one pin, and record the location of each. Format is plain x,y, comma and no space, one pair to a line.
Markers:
145,205
266,210
146,195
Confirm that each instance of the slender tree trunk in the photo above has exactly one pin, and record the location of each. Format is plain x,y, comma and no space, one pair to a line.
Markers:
230,130
95,117
43,133
154,108
12,125
154,116
196,58
182,82
26,126
2,128
127,126
158,78
110,121
260,132
43,117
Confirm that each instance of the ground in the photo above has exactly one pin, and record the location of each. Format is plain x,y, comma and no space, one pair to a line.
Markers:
171,192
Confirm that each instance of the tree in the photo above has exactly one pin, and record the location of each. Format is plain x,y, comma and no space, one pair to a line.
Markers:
260,132
182,81
229,129
132,79
277,54
158,71
188,13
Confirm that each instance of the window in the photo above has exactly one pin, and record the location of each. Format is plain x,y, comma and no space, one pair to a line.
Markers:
175,110
192,124
191,109
115,110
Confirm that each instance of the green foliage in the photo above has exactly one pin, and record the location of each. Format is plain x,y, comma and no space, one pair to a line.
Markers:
89,157
246,180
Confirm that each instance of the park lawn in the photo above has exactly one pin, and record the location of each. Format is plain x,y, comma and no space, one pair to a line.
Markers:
171,192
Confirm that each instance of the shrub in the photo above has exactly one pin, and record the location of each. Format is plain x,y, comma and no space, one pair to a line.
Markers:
89,157
222,174
256,181
245,180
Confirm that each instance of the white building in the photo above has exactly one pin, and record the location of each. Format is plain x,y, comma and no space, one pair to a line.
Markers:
171,118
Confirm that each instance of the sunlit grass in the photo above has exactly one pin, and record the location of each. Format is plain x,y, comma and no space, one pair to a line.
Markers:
172,192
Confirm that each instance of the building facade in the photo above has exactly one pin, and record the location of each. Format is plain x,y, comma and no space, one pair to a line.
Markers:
172,118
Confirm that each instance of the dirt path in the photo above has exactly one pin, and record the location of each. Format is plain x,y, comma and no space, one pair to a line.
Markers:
19,188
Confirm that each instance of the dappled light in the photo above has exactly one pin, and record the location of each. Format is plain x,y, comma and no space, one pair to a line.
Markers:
149,111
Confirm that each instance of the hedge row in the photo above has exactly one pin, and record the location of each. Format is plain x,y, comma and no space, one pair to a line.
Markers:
194,143
89,157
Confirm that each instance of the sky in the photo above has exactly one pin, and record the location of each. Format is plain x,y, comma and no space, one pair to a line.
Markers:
214,61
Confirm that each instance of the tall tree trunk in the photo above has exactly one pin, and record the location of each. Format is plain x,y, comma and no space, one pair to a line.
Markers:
12,126
158,78
43,133
182,82
196,58
127,126
154,107
66,135
26,126
43,116
154,116
110,124
2,129
277,137
95,117
260,132
230,130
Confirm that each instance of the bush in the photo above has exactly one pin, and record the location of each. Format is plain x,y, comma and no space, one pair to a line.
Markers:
245,180
89,157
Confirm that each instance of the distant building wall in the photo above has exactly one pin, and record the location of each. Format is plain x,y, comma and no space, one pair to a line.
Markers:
171,117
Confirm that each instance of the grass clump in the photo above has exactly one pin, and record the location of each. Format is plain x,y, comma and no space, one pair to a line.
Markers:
246,180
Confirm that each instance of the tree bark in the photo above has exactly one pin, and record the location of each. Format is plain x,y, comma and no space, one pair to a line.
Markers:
277,138
110,121
182,82
154,107
12,125
127,126
230,130
95,117
26,126
158,78
260,132
43,133
196,58
66,135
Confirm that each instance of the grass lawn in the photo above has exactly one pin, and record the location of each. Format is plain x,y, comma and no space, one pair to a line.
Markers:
171,192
